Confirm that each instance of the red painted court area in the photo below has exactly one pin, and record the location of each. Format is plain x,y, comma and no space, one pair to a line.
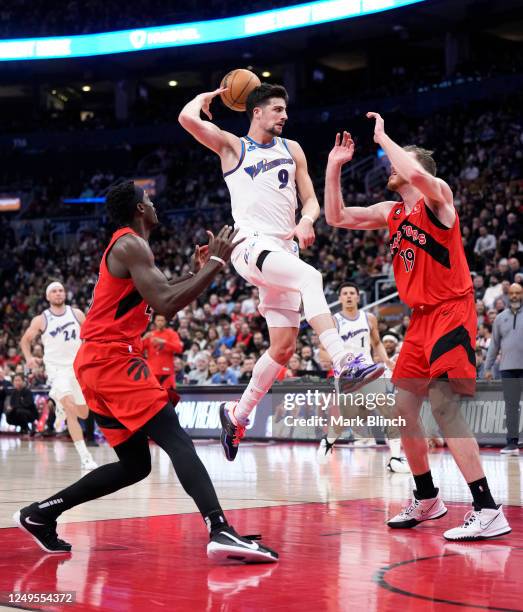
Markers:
333,557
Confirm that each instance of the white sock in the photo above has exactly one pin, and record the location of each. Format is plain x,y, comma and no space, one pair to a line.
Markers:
263,375
333,344
81,449
395,447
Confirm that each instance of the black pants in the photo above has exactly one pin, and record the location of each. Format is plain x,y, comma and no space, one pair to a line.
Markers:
512,383
21,417
134,464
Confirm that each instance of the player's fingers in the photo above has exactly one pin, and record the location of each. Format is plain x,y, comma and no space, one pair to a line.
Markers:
219,90
337,141
211,236
371,115
204,249
234,233
344,139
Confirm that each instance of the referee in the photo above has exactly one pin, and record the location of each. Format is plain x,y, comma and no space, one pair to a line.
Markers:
507,335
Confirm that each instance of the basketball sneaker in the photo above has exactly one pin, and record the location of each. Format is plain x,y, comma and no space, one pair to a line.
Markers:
226,546
232,431
398,465
418,511
480,525
510,449
325,450
41,530
354,373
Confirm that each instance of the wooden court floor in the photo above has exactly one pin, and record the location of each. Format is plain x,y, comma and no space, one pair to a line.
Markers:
143,548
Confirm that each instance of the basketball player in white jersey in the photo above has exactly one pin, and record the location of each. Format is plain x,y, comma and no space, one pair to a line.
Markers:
59,330
265,174
359,331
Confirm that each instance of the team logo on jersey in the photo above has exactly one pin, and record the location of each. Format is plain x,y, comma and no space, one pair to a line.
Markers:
352,334
264,166
397,212
60,329
141,369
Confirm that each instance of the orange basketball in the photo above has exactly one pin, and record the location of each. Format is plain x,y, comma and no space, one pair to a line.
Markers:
239,85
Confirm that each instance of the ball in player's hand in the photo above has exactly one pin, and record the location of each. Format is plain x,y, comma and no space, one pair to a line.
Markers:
239,84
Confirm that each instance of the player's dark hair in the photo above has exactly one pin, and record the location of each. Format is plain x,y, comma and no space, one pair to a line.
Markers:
349,284
424,156
261,95
121,201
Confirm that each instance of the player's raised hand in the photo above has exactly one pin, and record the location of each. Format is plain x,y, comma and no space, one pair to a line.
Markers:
206,99
199,258
379,126
223,244
343,149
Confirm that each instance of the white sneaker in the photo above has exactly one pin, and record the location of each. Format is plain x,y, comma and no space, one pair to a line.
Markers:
418,511
399,465
480,525
88,463
325,450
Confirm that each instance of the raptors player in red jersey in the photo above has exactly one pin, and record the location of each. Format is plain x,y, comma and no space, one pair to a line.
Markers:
129,404
437,357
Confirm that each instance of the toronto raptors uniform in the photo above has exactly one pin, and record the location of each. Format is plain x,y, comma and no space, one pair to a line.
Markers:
110,366
433,278
61,340
264,203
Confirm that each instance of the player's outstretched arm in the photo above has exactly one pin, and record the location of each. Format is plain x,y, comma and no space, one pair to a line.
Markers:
134,255
434,189
336,213
31,333
206,132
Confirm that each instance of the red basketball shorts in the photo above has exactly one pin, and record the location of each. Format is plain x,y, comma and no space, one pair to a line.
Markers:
440,343
118,387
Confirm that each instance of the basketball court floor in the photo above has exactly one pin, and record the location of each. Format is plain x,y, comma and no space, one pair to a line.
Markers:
143,548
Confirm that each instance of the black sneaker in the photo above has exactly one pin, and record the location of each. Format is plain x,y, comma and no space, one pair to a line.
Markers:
226,546
43,532
510,449
231,433
325,450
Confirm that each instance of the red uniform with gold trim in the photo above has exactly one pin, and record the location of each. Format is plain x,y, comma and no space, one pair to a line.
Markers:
110,366
433,278
161,345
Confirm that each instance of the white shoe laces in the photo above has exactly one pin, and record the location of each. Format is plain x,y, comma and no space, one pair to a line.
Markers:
411,507
470,518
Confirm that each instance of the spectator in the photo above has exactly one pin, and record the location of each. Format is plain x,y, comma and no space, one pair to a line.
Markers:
507,335
224,376
485,244
308,363
161,345
4,386
200,374
479,287
493,291
228,338
23,411
246,370
514,268
294,369
179,371
236,364
245,335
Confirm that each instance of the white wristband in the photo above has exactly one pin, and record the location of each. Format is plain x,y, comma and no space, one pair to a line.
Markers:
218,259
308,217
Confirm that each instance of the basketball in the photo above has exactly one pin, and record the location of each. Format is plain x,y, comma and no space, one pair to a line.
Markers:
239,85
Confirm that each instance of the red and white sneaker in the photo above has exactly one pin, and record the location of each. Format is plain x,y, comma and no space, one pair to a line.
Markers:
232,431
480,525
418,511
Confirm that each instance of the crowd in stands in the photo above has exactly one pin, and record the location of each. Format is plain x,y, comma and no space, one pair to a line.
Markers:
40,18
479,151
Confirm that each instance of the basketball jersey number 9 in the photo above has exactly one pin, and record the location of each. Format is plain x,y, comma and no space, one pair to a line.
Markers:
283,177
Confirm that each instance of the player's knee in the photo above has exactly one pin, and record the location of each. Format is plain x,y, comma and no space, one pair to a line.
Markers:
281,353
313,278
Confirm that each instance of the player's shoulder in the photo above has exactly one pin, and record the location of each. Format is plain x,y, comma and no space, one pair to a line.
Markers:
130,244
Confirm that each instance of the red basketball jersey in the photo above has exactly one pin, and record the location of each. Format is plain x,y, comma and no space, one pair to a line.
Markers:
117,312
428,258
